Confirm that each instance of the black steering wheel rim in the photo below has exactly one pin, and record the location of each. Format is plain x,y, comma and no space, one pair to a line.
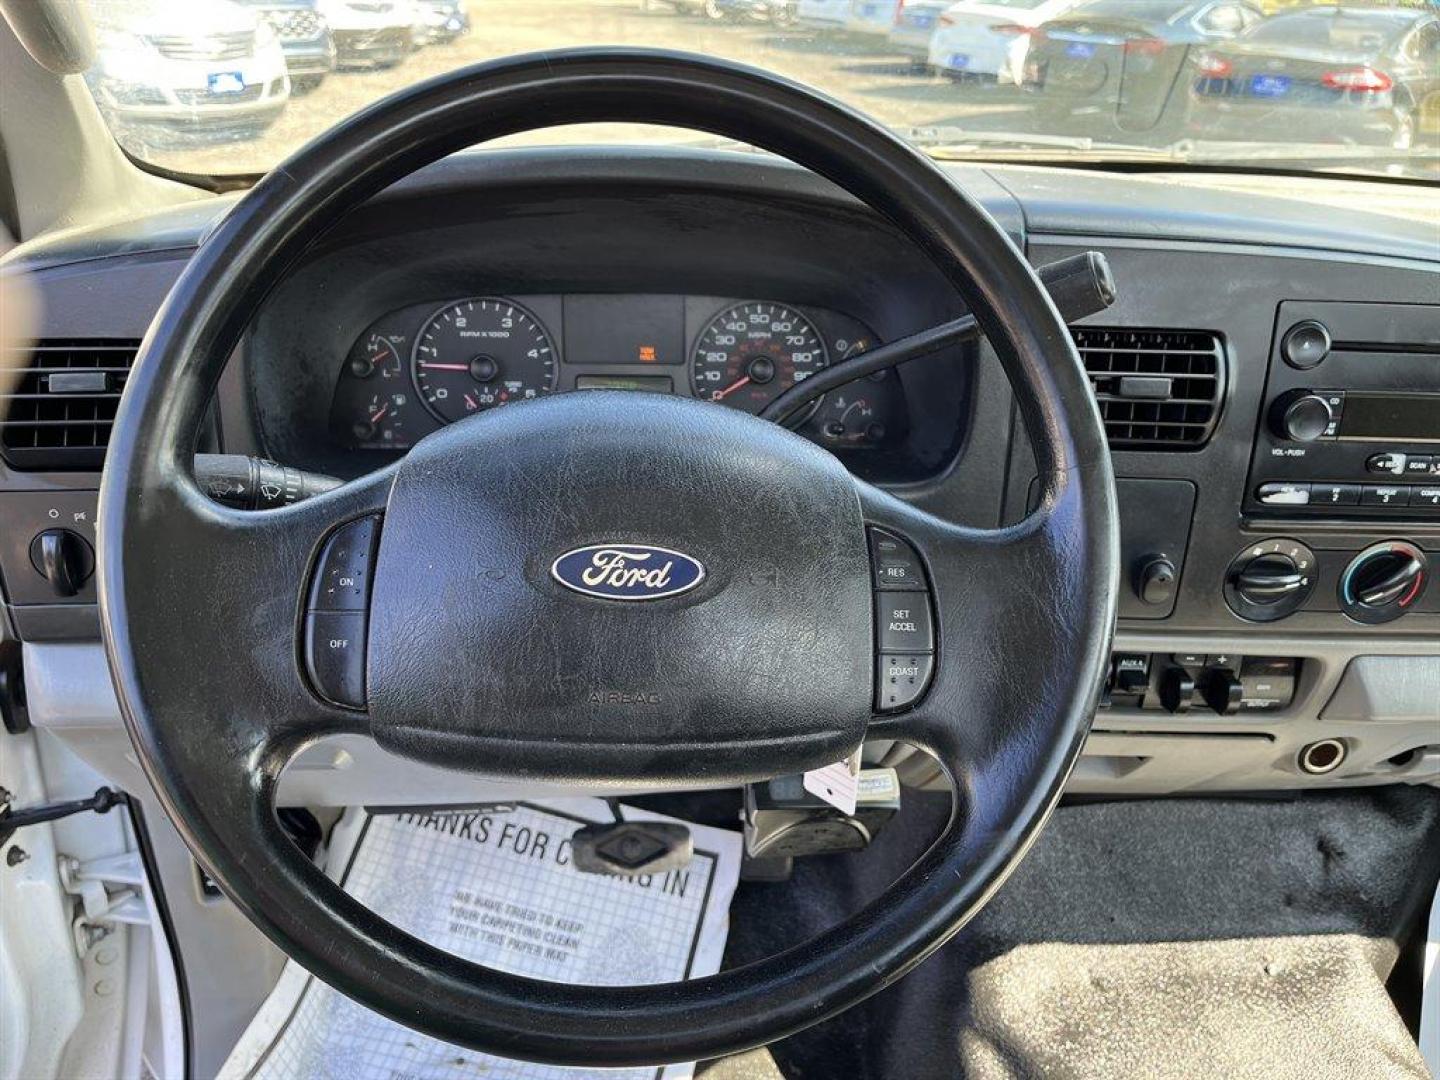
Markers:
1008,751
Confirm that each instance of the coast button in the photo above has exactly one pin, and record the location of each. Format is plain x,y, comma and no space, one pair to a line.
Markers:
900,679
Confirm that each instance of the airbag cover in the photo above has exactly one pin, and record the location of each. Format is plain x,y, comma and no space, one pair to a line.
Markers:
480,658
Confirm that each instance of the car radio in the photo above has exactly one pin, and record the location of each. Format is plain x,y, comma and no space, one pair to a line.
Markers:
1351,425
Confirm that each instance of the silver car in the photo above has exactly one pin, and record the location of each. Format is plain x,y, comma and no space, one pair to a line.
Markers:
187,69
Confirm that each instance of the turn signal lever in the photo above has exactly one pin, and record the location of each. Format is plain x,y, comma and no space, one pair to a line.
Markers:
1080,285
251,483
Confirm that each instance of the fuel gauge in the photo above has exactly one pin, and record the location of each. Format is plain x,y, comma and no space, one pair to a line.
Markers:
380,421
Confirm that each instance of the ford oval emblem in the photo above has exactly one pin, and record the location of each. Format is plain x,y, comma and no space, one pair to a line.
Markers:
627,571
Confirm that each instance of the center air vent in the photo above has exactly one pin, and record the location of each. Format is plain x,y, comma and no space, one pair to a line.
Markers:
1157,389
58,400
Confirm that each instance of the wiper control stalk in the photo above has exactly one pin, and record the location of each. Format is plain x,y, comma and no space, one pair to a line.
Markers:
1080,285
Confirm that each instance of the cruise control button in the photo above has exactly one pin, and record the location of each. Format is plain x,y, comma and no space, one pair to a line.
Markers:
1384,495
902,623
335,655
895,563
900,679
342,575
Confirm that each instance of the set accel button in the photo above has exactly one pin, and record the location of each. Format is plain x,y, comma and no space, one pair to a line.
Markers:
902,622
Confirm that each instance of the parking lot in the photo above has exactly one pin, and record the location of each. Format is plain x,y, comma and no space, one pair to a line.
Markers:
864,71
866,75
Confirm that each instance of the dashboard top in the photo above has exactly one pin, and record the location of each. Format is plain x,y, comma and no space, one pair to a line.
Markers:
1275,211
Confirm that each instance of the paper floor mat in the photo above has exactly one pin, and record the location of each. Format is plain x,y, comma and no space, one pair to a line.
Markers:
494,885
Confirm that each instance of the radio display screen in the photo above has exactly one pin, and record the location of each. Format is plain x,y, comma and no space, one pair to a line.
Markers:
1391,417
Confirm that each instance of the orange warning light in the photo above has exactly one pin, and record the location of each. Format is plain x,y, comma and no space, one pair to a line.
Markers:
647,354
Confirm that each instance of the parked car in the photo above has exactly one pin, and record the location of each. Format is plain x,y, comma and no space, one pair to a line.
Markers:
822,14
304,37
369,33
1354,75
913,27
445,20
989,39
1127,62
872,18
708,8
779,12
187,68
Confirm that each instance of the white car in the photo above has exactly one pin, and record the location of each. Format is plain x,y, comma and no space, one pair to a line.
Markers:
186,69
823,14
371,33
873,17
990,38
914,27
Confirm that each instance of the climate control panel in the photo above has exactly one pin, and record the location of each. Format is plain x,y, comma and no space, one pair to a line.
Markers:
1277,577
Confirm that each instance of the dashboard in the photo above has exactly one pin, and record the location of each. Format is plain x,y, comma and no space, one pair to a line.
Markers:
1278,625
432,363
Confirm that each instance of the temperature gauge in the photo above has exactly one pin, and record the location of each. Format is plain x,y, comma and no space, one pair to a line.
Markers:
378,356
864,414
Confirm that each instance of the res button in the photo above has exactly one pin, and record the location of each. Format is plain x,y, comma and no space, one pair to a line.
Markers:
895,562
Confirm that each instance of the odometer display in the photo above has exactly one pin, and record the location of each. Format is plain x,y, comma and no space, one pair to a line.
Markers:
479,353
751,353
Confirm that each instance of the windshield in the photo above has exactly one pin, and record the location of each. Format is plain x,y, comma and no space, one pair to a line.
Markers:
228,88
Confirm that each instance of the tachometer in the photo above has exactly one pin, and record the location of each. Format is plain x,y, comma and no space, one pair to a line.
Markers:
478,353
751,353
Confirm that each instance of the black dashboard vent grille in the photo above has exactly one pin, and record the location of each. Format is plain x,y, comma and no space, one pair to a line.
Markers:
58,399
1157,389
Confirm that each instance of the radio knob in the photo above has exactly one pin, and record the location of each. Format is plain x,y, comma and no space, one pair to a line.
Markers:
1303,417
1305,344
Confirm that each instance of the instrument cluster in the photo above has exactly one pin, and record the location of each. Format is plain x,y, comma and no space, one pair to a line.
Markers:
425,365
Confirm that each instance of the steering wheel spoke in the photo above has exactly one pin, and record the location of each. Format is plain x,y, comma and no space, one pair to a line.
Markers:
247,571
1005,617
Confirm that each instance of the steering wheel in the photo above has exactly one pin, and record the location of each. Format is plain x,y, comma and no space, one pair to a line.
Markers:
485,661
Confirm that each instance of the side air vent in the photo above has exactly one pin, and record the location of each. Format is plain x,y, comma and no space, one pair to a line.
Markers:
58,400
1157,389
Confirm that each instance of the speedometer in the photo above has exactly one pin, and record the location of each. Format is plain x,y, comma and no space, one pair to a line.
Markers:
751,353
478,353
